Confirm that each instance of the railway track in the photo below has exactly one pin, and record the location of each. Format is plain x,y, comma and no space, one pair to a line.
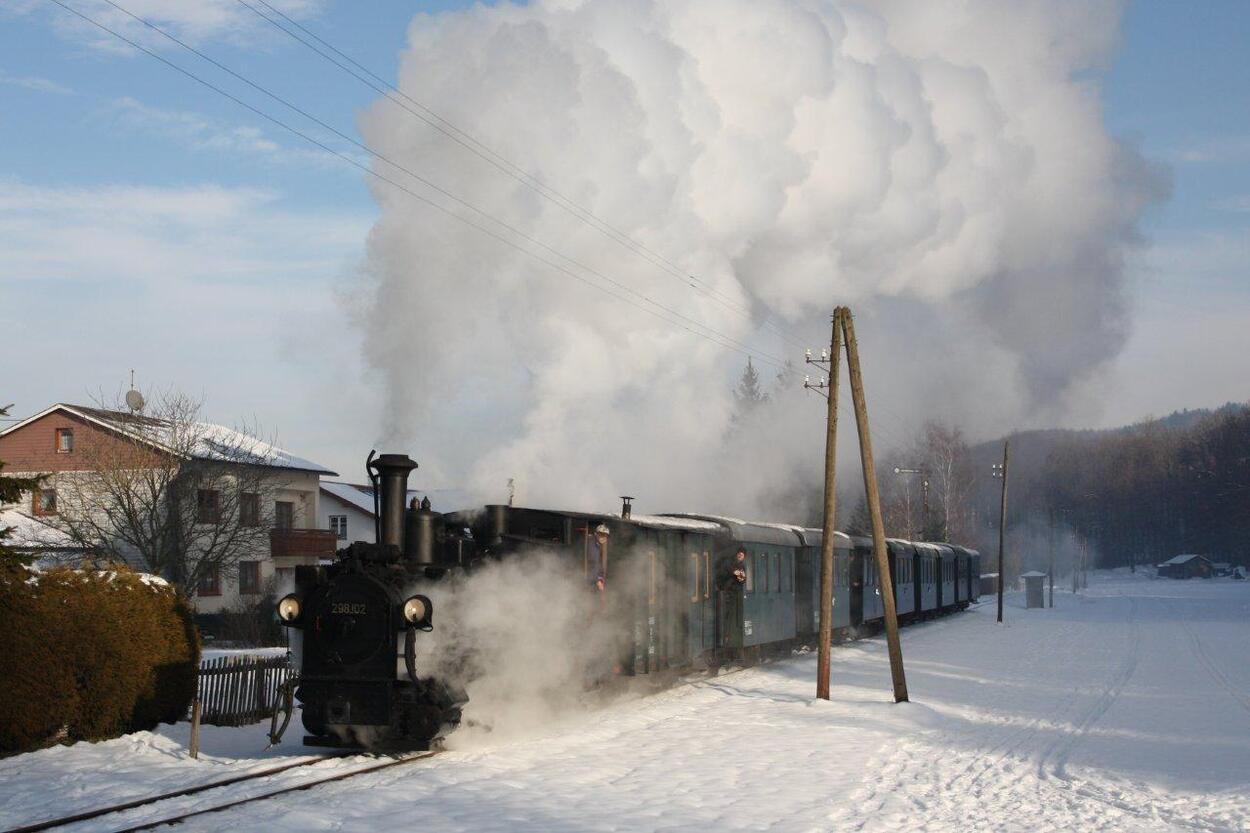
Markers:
113,809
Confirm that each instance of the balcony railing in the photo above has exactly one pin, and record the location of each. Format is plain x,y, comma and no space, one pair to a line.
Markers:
303,545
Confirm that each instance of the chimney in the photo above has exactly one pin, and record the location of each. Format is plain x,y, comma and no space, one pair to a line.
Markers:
626,506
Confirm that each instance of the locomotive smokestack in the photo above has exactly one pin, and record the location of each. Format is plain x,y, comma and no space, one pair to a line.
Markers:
626,506
393,471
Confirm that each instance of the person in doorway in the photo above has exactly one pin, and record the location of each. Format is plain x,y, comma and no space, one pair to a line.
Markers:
732,571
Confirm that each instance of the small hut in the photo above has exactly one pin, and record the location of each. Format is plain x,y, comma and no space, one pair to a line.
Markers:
1190,565
1034,596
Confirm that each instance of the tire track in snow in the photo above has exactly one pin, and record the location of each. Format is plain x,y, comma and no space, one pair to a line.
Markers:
1218,676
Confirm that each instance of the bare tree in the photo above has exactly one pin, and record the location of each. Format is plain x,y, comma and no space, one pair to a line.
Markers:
949,471
169,493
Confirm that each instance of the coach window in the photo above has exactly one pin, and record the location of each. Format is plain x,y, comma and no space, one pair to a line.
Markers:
776,572
694,577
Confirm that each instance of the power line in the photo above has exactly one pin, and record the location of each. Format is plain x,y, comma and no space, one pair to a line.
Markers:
710,333
500,162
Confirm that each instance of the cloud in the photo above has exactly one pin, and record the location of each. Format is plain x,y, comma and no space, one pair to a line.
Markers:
196,22
943,167
40,85
200,132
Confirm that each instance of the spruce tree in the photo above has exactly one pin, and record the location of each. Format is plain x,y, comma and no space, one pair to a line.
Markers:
749,395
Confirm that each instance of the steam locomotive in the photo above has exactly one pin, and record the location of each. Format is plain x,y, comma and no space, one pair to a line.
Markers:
358,620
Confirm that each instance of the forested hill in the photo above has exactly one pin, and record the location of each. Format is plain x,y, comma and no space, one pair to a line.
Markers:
1140,493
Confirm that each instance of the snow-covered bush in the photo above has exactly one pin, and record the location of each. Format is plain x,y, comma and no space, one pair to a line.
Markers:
87,655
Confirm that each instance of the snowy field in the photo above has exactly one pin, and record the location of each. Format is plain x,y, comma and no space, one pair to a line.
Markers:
1126,708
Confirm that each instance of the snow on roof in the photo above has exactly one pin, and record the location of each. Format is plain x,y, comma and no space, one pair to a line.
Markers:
669,522
212,441
31,533
360,495
1032,574
1182,559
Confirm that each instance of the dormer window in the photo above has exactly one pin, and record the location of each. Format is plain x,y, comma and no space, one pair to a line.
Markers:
64,440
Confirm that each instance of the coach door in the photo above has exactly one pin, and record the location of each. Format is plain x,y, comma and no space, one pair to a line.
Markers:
701,606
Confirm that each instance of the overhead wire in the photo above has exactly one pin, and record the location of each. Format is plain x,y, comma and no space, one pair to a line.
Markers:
475,146
709,333
659,310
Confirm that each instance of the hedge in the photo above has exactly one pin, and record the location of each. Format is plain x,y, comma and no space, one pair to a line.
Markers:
90,655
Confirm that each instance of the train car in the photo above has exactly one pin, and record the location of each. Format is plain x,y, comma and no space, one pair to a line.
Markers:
807,584
657,574
927,576
946,577
763,611
902,572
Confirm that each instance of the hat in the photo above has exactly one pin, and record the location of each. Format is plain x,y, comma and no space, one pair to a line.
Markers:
602,529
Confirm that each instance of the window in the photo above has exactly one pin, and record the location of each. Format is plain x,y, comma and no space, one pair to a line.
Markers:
45,502
207,506
749,564
64,440
249,509
210,583
283,514
249,578
776,572
694,576
338,525
761,564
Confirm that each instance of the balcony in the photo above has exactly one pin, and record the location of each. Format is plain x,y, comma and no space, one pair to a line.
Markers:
290,547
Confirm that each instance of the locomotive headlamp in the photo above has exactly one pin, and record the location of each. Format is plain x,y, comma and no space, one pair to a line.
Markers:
417,610
288,608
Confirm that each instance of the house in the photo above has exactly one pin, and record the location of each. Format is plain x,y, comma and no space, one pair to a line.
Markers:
1190,565
232,481
347,508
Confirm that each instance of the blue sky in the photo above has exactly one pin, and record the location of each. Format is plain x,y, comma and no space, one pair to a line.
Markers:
91,129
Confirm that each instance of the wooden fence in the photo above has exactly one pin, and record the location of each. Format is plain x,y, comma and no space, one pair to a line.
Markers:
238,691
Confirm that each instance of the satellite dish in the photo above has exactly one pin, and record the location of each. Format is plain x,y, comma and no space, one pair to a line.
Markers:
134,400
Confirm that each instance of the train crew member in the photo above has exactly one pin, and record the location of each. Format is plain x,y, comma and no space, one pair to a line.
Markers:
732,571
599,558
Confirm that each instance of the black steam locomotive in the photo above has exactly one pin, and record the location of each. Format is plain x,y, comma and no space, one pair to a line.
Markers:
359,619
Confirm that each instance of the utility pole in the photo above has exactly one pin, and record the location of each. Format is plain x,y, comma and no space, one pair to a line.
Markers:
830,362
874,509
1001,472
1052,557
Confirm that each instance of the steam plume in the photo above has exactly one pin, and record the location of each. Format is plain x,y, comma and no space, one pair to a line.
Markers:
941,166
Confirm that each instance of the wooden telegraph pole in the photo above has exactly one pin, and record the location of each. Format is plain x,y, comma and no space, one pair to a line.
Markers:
1002,527
825,649
844,329
874,508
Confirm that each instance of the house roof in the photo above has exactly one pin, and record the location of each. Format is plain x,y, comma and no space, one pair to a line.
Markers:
1182,559
1032,574
360,496
212,442
30,533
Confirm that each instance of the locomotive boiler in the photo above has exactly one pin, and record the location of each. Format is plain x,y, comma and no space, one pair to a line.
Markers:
356,623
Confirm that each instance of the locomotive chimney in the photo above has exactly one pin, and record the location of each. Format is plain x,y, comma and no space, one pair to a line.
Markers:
393,470
626,506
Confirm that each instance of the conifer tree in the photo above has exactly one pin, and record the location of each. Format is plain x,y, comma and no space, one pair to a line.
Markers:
749,394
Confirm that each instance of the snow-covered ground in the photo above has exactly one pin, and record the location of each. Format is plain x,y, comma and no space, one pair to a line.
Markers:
1126,708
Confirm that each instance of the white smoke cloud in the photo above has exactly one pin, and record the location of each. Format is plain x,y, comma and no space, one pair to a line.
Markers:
943,167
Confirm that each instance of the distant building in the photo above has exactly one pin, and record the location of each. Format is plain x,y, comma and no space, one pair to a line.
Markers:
56,442
1190,565
347,508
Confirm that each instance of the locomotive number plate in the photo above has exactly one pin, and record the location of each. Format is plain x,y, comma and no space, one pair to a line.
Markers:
350,608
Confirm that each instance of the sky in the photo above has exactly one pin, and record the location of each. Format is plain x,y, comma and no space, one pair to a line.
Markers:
147,223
